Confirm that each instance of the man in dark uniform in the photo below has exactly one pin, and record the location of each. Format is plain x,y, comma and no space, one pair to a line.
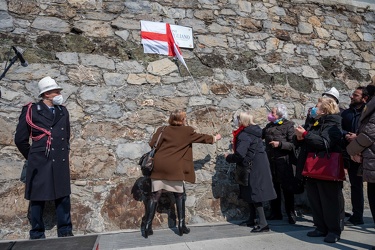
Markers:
48,174
350,119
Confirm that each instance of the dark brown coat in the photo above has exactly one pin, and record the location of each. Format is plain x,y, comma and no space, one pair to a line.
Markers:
174,156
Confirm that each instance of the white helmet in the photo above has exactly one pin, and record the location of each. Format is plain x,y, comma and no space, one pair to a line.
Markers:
333,92
47,84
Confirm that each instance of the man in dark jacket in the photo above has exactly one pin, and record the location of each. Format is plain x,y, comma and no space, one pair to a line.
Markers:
350,118
48,174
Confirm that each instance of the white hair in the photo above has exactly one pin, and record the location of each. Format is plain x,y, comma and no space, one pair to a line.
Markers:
281,111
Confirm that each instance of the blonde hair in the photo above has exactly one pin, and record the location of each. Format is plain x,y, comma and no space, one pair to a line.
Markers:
328,105
246,119
177,117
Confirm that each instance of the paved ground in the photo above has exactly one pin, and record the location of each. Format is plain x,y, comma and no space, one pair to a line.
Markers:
221,236
231,236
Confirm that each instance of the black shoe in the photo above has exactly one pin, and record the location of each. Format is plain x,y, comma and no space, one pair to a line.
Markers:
257,229
183,230
355,222
67,234
37,237
316,233
292,219
275,217
331,238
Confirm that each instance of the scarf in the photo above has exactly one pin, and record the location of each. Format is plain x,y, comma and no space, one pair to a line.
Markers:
235,133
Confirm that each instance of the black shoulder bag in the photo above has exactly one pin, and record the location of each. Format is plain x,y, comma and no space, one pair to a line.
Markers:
242,171
147,160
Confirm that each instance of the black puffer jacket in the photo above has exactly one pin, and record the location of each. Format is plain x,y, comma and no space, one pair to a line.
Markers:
279,132
327,127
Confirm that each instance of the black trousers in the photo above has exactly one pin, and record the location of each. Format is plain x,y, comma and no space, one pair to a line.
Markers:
356,191
64,224
282,175
371,198
327,204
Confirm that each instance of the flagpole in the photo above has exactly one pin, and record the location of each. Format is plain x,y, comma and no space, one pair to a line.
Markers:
197,87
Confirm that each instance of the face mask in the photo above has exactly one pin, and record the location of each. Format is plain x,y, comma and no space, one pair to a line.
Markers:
313,112
271,118
235,121
58,100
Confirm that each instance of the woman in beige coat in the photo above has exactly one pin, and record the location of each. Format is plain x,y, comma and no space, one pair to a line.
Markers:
173,165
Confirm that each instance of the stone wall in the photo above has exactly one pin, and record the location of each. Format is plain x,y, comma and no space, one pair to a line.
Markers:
247,55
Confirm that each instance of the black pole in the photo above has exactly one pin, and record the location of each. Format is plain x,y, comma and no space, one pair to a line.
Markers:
14,59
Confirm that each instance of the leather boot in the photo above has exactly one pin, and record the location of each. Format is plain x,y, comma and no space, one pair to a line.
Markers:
180,205
150,213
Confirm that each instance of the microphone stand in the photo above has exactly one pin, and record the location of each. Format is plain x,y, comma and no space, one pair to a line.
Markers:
14,59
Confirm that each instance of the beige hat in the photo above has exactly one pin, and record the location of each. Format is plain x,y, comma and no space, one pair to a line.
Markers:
47,84
333,92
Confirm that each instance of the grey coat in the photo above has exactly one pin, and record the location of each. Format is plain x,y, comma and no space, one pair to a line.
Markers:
364,143
47,177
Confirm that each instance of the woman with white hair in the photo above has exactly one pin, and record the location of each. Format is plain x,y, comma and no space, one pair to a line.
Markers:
278,136
254,176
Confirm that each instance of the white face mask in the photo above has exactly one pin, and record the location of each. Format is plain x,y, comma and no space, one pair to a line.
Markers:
58,100
236,121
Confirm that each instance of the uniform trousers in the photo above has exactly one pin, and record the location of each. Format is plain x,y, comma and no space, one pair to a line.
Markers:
64,224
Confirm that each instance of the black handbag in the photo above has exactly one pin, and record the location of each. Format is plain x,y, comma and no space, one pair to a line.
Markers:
241,174
147,160
23,172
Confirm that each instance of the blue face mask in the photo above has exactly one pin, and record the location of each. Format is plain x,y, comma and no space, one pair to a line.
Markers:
313,113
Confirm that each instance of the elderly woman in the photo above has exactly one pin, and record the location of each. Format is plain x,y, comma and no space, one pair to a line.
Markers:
278,135
173,165
325,196
250,157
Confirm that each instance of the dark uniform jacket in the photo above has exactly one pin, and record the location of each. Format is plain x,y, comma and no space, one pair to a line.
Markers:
47,176
173,159
250,148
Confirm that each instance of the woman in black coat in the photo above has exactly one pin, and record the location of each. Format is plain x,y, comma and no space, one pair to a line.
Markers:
278,135
251,160
325,197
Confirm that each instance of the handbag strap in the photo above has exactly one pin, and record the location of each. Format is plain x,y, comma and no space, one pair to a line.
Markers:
161,132
326,146
325,142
